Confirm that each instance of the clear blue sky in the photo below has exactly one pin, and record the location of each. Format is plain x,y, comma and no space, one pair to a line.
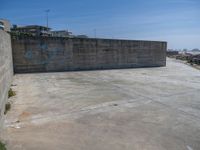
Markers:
175,21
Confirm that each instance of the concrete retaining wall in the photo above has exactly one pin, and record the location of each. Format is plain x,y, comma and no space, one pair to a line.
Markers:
40,54
6,70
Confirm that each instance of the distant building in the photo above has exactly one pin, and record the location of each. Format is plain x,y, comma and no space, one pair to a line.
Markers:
34,30
37,30
5,25
82,36
1,25
172,53
61,33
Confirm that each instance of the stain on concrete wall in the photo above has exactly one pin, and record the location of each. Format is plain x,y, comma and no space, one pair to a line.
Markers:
43,54
6,70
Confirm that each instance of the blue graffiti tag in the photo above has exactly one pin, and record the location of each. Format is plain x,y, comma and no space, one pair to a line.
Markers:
29,54
44,55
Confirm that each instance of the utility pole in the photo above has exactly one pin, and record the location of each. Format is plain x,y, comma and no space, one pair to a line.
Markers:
47,16
95,33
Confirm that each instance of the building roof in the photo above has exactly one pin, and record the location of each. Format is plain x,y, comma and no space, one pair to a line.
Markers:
59,31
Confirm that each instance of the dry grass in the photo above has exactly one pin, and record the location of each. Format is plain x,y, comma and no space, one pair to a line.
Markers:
7,108
2,146
11,93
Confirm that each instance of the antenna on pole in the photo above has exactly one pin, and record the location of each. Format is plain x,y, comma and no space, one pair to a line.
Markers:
47,16
95,33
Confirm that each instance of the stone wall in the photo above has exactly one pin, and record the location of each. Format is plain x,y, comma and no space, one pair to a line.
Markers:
6,70
41,54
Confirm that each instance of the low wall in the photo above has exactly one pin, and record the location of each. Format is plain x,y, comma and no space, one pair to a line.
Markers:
40,54
6,70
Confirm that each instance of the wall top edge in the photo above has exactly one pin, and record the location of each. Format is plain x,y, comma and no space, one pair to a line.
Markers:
67,38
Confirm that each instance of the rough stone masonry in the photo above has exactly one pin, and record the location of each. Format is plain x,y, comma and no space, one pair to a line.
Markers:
6,70
43,54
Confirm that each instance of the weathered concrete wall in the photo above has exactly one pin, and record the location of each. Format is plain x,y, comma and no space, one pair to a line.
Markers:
6,70
35,54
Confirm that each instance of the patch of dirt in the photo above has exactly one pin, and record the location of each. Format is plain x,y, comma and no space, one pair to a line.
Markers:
24,115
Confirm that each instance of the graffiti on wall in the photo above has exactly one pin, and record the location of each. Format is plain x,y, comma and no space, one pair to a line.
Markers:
44,55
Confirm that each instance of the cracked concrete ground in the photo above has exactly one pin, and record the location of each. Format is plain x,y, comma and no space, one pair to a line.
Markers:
128,109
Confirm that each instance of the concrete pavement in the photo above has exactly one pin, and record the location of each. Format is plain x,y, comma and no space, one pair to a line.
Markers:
128,109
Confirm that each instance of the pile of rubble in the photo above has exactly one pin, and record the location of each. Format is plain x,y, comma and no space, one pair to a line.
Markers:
194,59
190,58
